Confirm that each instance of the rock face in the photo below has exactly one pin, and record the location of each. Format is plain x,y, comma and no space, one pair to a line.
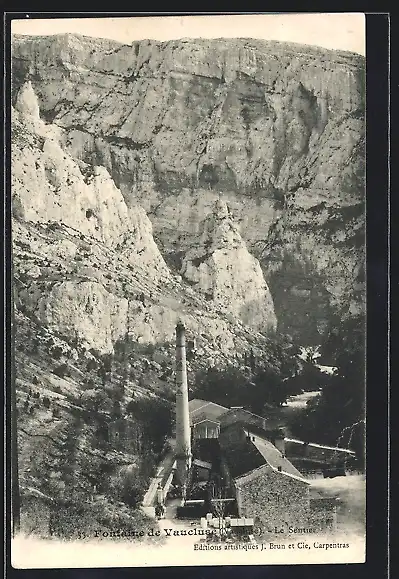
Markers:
276,129
48,185
84,308
221,267
86,265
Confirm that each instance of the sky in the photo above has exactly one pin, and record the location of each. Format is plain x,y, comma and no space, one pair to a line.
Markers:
339,31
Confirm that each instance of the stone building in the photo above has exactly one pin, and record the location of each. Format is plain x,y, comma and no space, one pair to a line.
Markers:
238,414
308,456
205,418
265,484
274,498
250,458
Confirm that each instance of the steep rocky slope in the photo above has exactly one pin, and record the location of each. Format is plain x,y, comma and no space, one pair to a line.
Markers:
223,269
95,312
276,129
86,265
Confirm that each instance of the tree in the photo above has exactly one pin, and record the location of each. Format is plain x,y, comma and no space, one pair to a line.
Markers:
312,353
92,400
308,379
91,365
232,387
155,419
56,352
116,408
268,388
61,370
218,506
337,415
132,482
229,386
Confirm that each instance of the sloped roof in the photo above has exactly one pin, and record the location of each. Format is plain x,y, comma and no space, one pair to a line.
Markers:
237,410
270,422
273,456
241,458
202,463
269,430
194,420
196,403
253,453
208,410
294,442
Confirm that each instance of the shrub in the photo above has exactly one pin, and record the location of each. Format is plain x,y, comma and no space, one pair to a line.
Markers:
46,402
34,349
94,353
91,365
61,370
107,362
89,383
130,407
56,352
93,400
56,412
115,392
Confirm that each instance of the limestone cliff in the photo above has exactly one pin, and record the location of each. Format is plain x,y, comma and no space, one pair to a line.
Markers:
86,264
221,267
277,129
48,185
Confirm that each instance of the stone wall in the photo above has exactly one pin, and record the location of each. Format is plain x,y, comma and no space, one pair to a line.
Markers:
273,498
232,434
323,514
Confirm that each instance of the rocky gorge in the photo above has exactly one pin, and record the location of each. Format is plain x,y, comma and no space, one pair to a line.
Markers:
217,182
275,130
87,265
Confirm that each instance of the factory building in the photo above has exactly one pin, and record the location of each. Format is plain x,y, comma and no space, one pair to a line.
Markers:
240,458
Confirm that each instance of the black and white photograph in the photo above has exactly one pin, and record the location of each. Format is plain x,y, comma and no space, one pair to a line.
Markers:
188,206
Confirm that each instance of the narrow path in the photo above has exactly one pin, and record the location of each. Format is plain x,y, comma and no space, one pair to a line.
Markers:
163,471
171,522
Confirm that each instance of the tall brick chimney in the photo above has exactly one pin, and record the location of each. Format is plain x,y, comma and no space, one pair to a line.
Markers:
183,434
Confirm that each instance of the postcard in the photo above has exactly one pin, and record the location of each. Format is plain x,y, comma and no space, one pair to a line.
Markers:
188,246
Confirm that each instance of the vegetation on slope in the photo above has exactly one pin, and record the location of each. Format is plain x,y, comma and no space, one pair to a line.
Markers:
68,402
337,416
